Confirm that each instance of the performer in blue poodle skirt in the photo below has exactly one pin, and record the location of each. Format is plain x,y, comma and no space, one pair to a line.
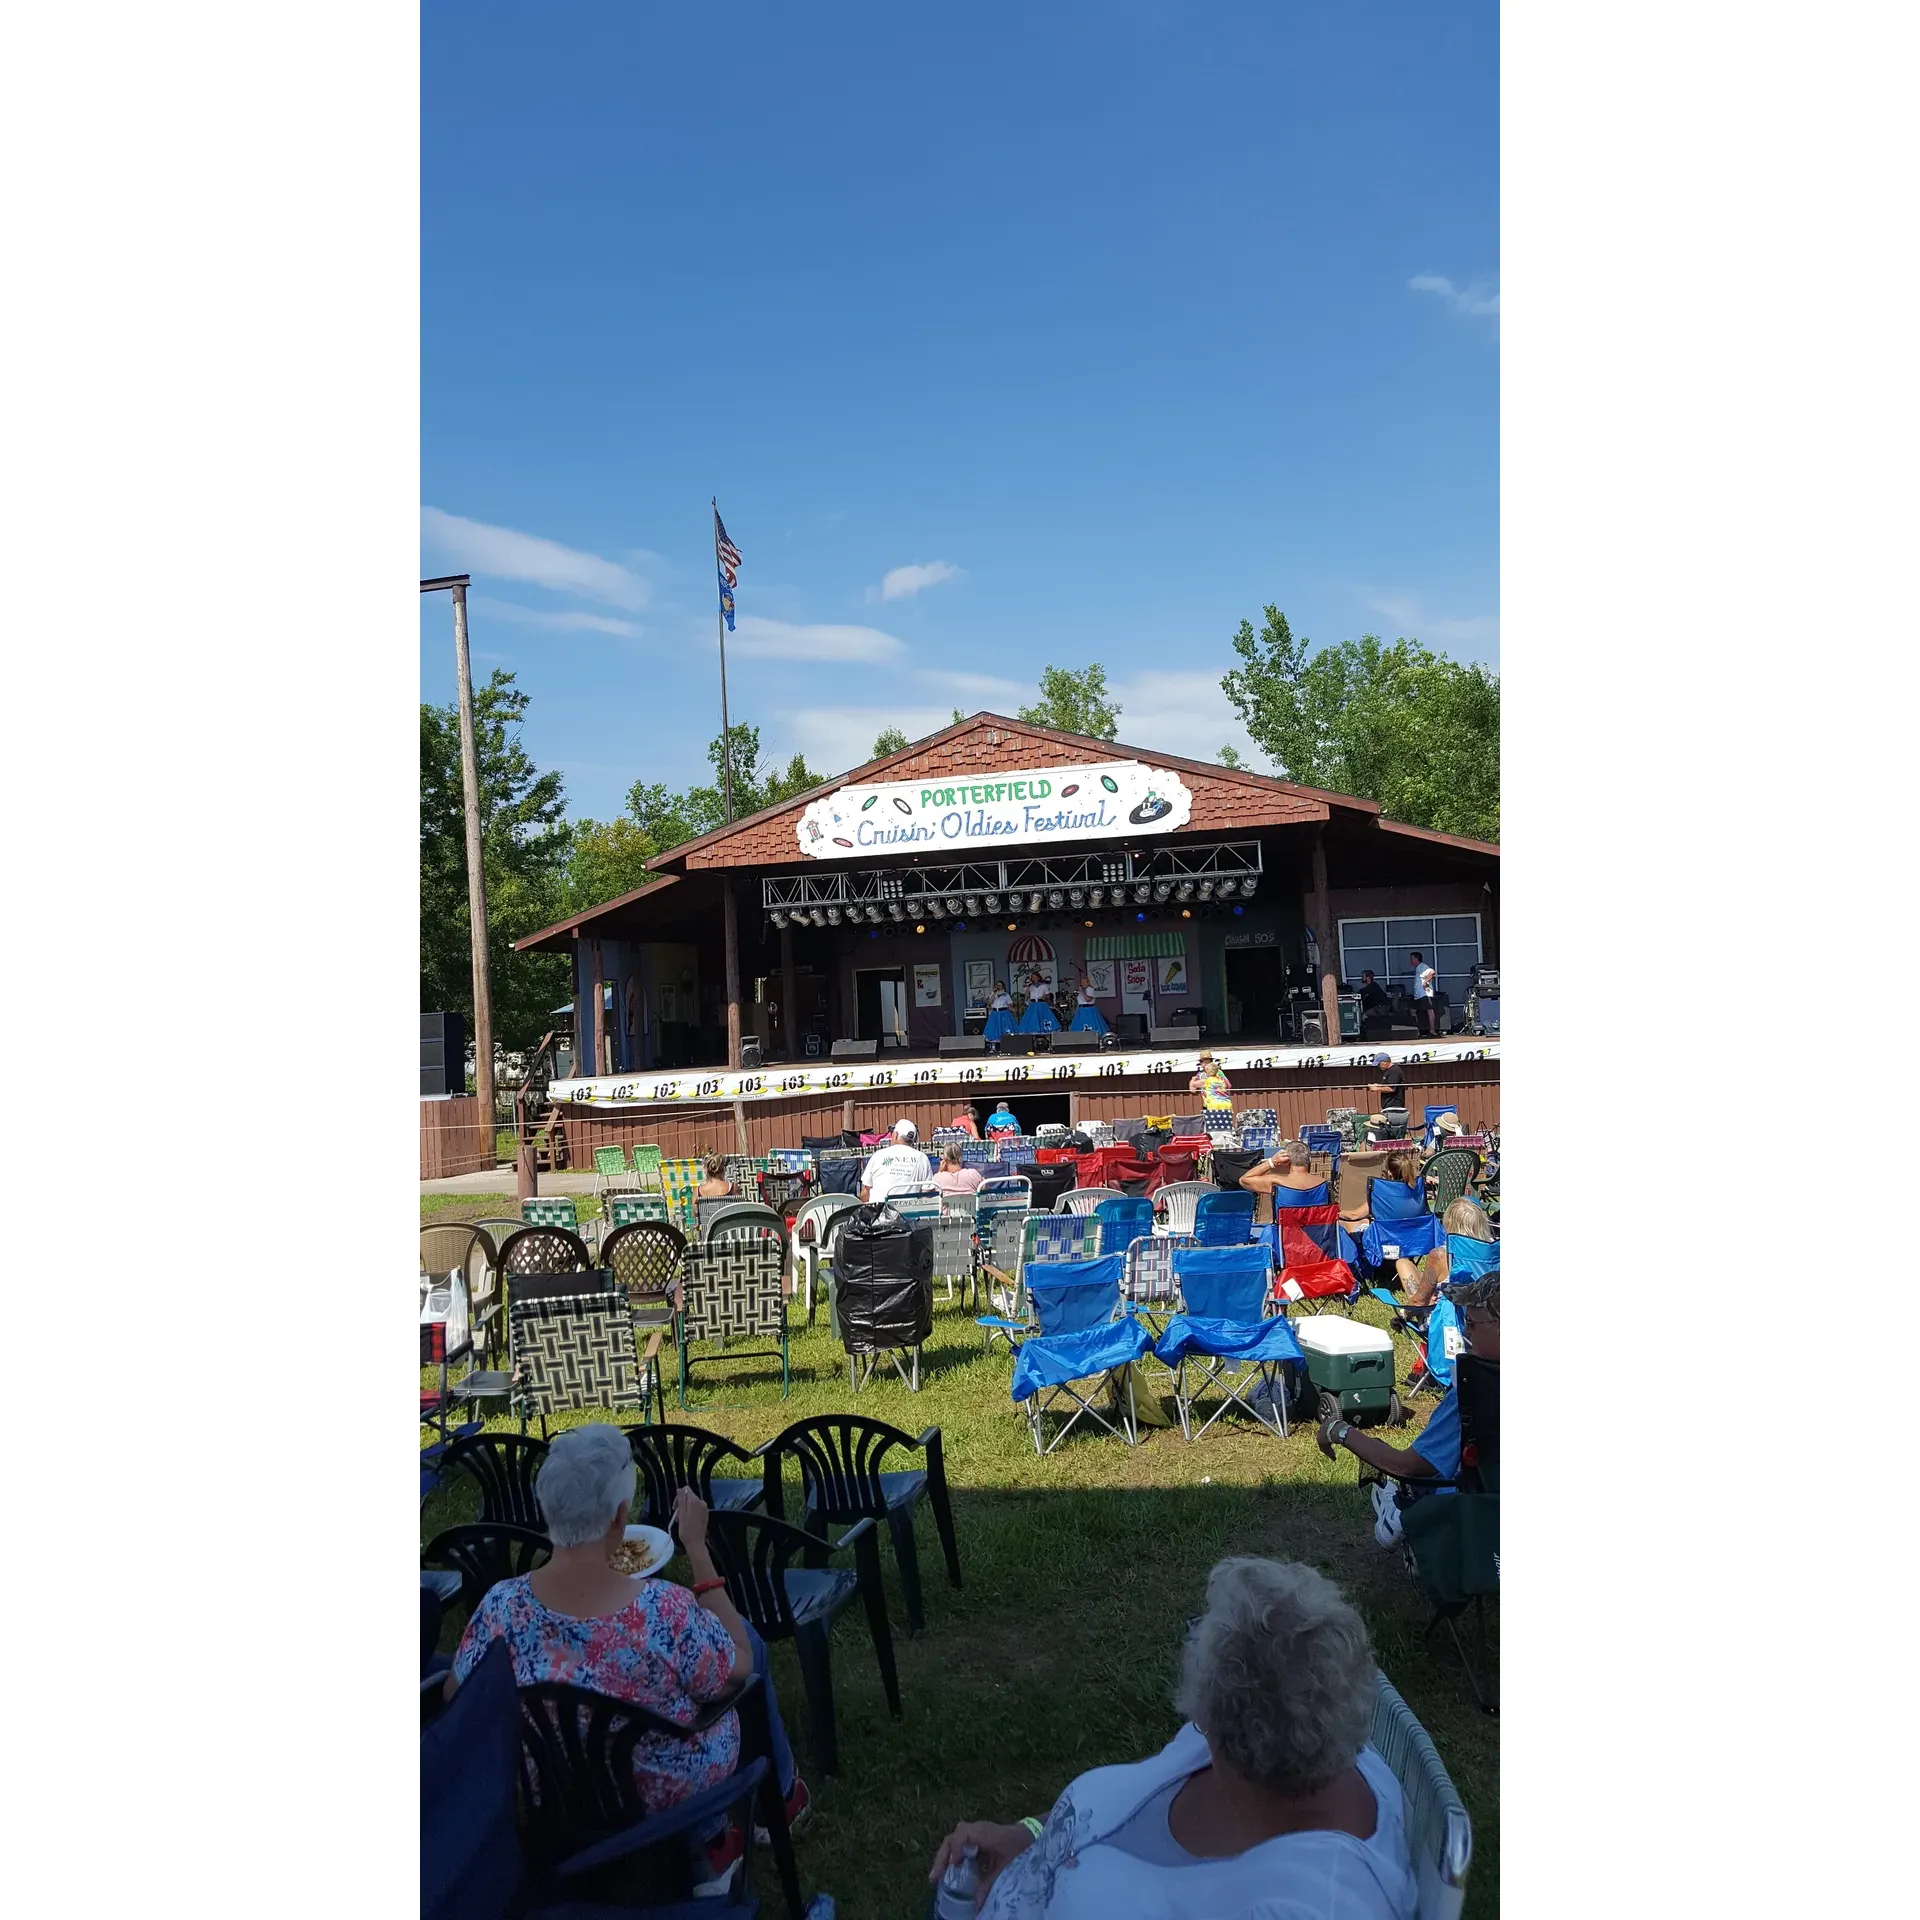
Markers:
1087,1017
1039,1016
999,1012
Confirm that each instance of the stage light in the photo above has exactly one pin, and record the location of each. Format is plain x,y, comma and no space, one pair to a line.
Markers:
1238,911
1249,883
871,934
778,917
973,903
896,910
960,926
1186,913
920,929
938,908
1086,923
1113,870
1096,896
1011,924
1228,888
1186,889
1206,889
1139,916
1055,898
1163,890
1077,898
833,916
992,903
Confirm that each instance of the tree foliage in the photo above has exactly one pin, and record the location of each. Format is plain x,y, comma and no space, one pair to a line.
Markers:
890,740
1075,703
1412,729
524,850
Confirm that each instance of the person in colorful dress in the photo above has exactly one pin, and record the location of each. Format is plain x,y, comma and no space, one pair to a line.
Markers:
1269,1799
999,1012
1087,1017
1039,1016
1212,1085
578,1622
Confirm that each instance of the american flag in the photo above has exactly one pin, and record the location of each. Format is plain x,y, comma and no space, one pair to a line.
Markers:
725,551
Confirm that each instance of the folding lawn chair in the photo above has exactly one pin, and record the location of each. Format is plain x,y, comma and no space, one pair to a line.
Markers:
1079,1339
1439,1834
1301,1196
1044,1237
954,1256
1124,1218
680,1182
609,1165
731,1287
646,1168
1429,1119
1315,1257
918,1206
1226,1332
551,1210
630,1209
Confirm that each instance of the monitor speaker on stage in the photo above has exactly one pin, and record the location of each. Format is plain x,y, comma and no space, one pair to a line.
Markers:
1028,1043
963,1043
1184,1035
1067,1041
443,1054
856,1049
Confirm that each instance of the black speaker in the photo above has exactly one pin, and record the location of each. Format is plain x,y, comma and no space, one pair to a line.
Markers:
443,1054
1067,1041
963,1043
1023,1043
1313,1029
856,1049
751,1053
1186,1036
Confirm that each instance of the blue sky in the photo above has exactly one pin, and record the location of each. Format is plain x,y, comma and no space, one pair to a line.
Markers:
1005,336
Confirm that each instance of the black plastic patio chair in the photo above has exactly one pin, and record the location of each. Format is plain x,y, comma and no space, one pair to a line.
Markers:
503,1466
763,1562
1450,1174
585,1809
842,1481
486,1554
673,1456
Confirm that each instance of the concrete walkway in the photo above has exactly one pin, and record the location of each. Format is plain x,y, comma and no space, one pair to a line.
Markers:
502,1180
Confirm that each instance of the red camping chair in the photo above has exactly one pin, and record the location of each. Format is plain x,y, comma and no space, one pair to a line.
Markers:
1314,1257
1177,1160
1114,1167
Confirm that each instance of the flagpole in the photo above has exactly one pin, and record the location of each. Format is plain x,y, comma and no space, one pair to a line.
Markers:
720,620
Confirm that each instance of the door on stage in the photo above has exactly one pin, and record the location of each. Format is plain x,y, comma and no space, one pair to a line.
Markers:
880,1004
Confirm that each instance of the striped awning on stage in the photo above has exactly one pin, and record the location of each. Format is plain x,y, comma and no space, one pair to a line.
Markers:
1137,946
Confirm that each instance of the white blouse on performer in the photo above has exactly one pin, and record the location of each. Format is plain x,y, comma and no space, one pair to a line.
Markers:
1001,1002
1086,996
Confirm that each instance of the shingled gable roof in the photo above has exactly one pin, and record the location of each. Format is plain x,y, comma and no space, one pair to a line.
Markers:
1225,799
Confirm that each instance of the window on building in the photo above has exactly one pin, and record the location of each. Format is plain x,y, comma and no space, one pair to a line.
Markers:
1449,941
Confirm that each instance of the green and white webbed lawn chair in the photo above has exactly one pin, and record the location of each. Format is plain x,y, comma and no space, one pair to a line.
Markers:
551,1210
646,1169
1439,1834
630,1209
609,1165
955,1257
1044,1237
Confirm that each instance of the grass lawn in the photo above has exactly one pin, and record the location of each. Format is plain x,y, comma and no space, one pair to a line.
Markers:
1060,1653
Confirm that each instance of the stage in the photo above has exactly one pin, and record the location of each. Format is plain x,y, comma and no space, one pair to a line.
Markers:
699,1110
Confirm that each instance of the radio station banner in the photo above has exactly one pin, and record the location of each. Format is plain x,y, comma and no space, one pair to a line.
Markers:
847,1077
1021,808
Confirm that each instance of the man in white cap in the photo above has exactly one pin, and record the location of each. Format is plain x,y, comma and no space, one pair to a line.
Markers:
896,1168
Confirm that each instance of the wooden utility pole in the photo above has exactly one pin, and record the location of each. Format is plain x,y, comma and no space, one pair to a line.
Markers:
731,934
1323,932
476,871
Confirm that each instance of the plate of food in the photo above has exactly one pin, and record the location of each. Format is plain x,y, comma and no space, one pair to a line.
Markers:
643,1551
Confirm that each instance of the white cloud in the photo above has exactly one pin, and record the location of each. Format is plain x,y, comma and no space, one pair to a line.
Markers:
1477,634
1001,695
762,639
563,618
902,583
837,738
1183,713
504,553
1477,297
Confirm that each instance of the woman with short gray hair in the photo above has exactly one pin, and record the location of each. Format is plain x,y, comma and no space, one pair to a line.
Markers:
578,1621
1267,1804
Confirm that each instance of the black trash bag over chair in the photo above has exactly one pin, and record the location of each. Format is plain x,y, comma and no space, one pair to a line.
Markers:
883,1270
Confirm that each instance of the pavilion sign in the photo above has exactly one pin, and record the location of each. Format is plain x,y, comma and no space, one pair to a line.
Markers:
1110,801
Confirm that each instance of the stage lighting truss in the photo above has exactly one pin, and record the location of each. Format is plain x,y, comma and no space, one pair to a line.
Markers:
1052,883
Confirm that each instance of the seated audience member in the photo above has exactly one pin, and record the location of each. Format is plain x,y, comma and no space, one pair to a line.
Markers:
955,1176
1435,1452
1422,1282
1001,1123
1291,1166
1268,1799
716,1186
896,1168
967,1119
577,1622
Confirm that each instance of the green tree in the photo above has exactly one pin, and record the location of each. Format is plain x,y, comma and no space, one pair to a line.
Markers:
1229,756
608,858
1412,729
524,850
1075,703
890,740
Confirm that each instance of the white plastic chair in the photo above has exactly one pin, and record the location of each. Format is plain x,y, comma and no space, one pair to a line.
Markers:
1439,1833
1181,1198
1085,1199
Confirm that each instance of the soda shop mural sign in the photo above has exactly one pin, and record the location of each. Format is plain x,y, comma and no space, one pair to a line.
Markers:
1110,801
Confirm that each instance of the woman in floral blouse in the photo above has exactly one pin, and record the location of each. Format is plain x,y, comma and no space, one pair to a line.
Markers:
578,1622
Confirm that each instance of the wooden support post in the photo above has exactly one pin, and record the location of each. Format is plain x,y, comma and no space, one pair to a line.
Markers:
789,995
599,1015
732,934
476,880
1325,932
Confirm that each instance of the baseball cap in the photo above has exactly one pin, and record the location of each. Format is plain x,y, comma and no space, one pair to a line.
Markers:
1383,1059
904,1129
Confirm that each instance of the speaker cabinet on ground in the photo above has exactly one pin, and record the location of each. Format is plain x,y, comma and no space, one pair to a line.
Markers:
856,1049
443,1054
963,1043
1181,1036
1081,1042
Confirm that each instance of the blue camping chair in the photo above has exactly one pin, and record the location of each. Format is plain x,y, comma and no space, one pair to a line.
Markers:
1439,1324
1403,1237
1302,1196
1223,1219
1123,1219
1325,1140
1227,1332
1391,1200
1080,1338
1433,1114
